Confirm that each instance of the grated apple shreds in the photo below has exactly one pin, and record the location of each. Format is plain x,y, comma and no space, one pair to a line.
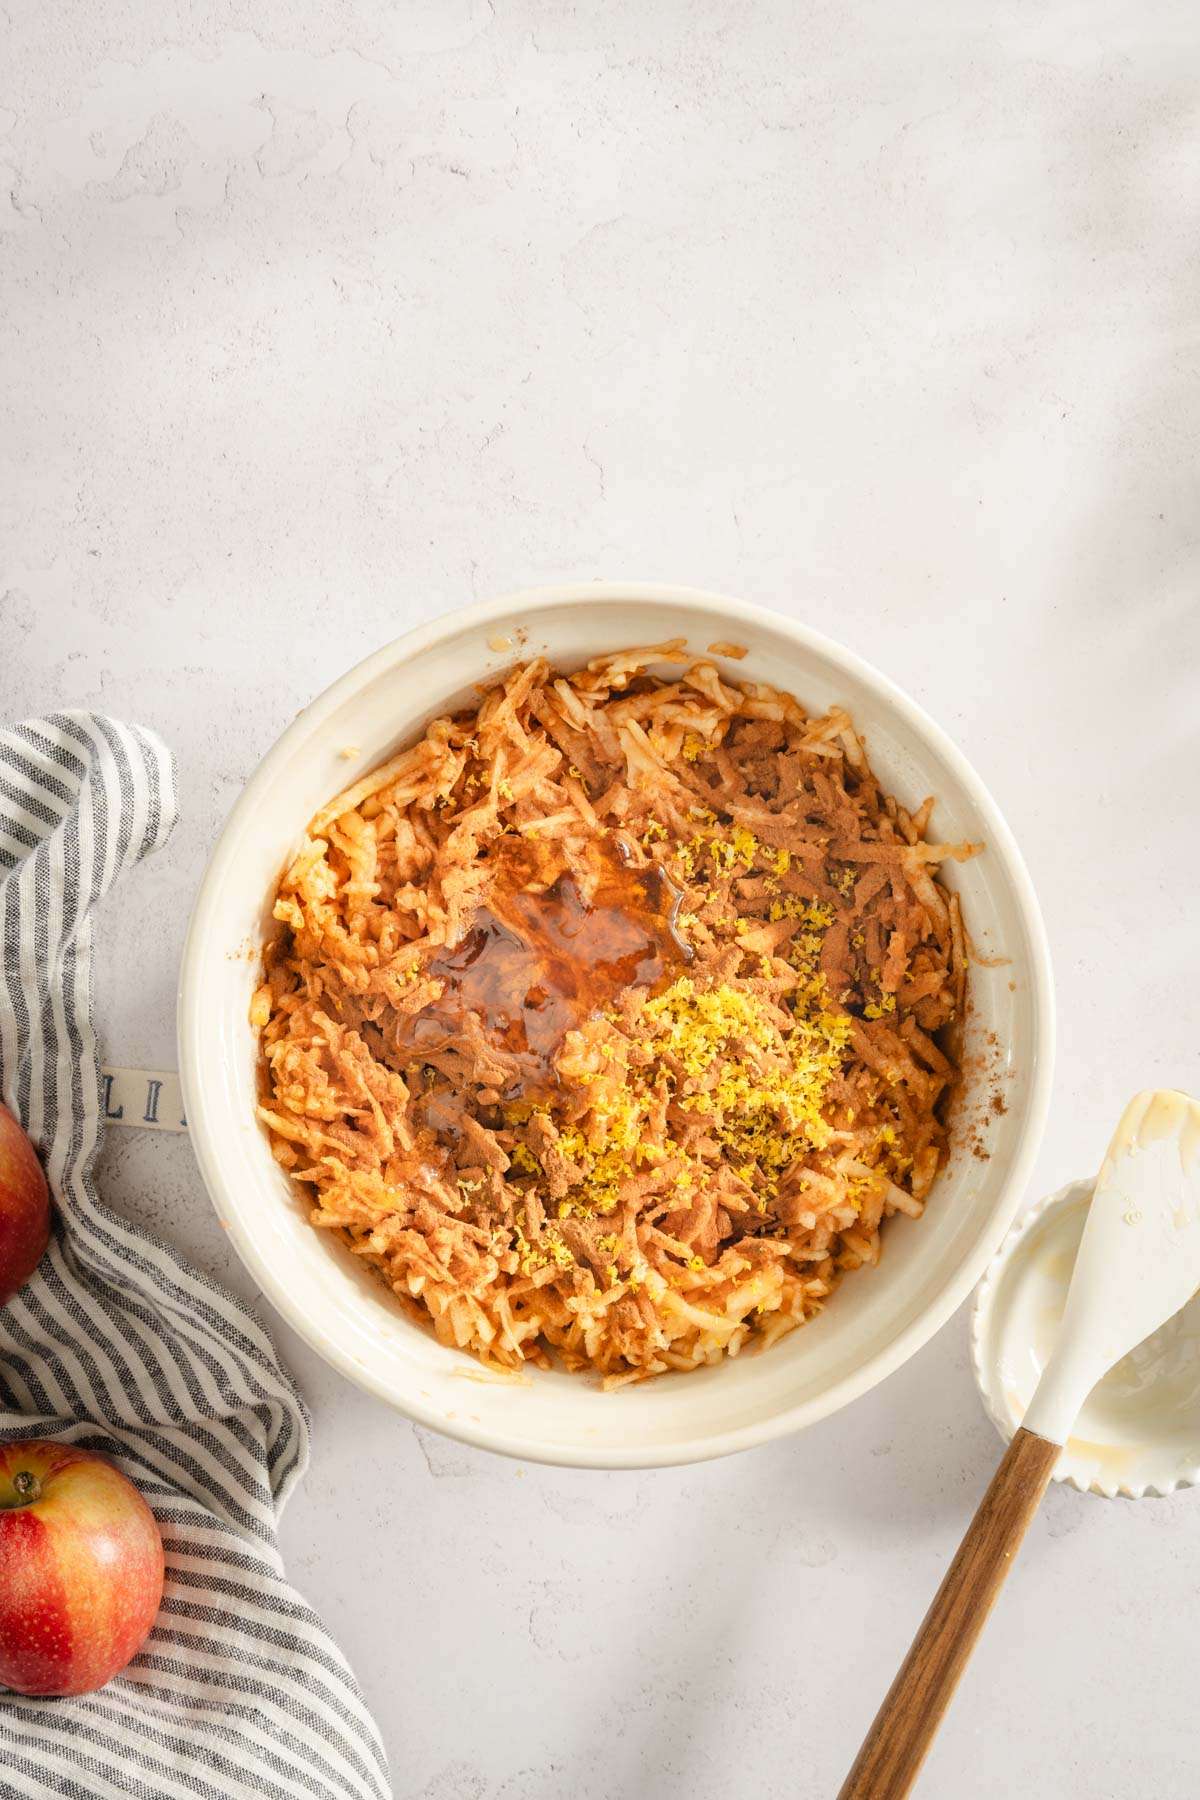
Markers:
714,1153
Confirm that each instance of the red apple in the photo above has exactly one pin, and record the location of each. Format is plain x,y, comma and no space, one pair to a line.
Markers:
81,1569
24,1207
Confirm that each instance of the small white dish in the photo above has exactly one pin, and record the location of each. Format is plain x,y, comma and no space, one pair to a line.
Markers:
1139,1430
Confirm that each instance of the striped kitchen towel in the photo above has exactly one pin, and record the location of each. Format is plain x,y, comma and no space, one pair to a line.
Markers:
115,1343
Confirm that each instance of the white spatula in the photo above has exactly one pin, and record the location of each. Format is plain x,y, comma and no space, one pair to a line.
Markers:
1138,1263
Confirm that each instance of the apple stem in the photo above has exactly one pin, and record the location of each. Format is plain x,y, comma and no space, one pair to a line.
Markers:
27,1486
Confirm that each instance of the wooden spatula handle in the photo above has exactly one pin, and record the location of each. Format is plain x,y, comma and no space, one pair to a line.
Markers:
895,1747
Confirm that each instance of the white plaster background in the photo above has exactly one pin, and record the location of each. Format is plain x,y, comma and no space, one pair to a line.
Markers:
320,318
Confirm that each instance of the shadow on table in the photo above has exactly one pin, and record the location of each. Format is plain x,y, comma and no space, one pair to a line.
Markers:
777,1568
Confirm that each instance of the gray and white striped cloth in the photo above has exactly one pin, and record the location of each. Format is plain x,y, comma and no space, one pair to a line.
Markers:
117,1344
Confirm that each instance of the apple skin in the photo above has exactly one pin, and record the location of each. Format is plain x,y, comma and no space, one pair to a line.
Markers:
24,1207
81,1569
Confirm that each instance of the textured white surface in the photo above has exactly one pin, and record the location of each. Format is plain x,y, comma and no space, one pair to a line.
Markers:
884,315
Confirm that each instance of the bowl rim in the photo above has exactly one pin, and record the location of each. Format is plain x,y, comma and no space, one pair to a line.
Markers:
191,1019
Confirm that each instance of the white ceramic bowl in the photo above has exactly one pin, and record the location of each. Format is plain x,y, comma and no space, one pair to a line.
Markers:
879,1317
1138,1433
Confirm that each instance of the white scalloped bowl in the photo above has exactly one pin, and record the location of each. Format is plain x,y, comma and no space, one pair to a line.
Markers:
1139,1431
879,1317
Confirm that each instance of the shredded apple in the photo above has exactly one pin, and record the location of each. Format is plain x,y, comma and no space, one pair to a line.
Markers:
612,1020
